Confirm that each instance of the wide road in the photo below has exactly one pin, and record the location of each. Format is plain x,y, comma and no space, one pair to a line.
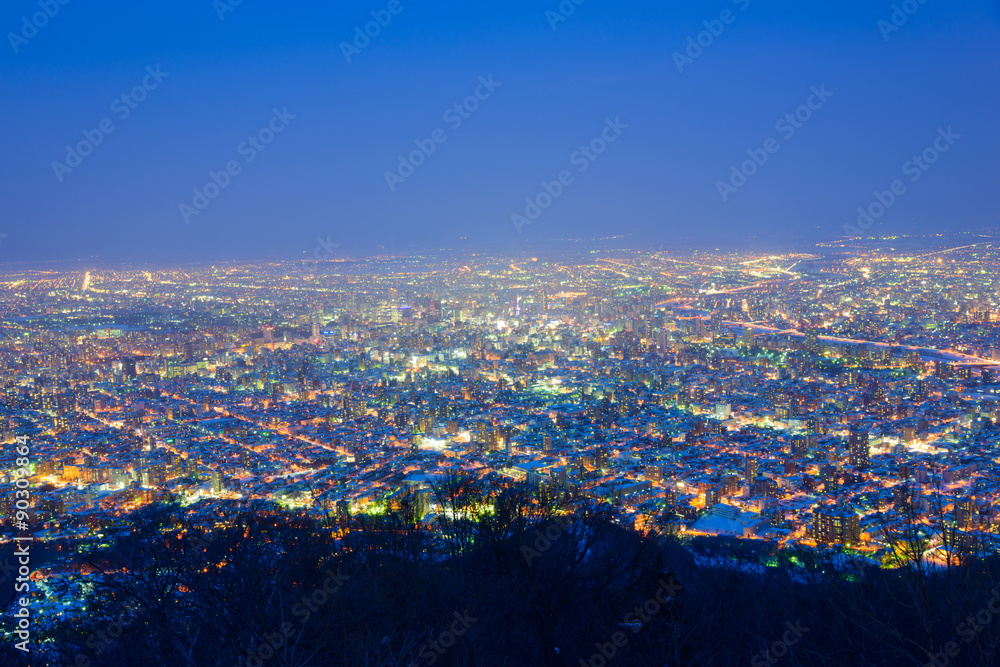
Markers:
945,354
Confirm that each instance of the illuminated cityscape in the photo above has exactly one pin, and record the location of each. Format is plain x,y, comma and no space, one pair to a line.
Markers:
835,399
564,334
803,398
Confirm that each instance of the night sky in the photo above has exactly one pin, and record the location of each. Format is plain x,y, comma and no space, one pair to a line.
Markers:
191,88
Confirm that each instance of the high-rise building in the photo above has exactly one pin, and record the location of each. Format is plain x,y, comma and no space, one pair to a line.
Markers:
828,475
800,446
731,484
662,340
750,468
836,526
965,514
765,487
902,496
812,343
713,495
218,482
860,451
601,457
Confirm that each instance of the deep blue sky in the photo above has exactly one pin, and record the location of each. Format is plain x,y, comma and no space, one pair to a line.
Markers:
324,175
